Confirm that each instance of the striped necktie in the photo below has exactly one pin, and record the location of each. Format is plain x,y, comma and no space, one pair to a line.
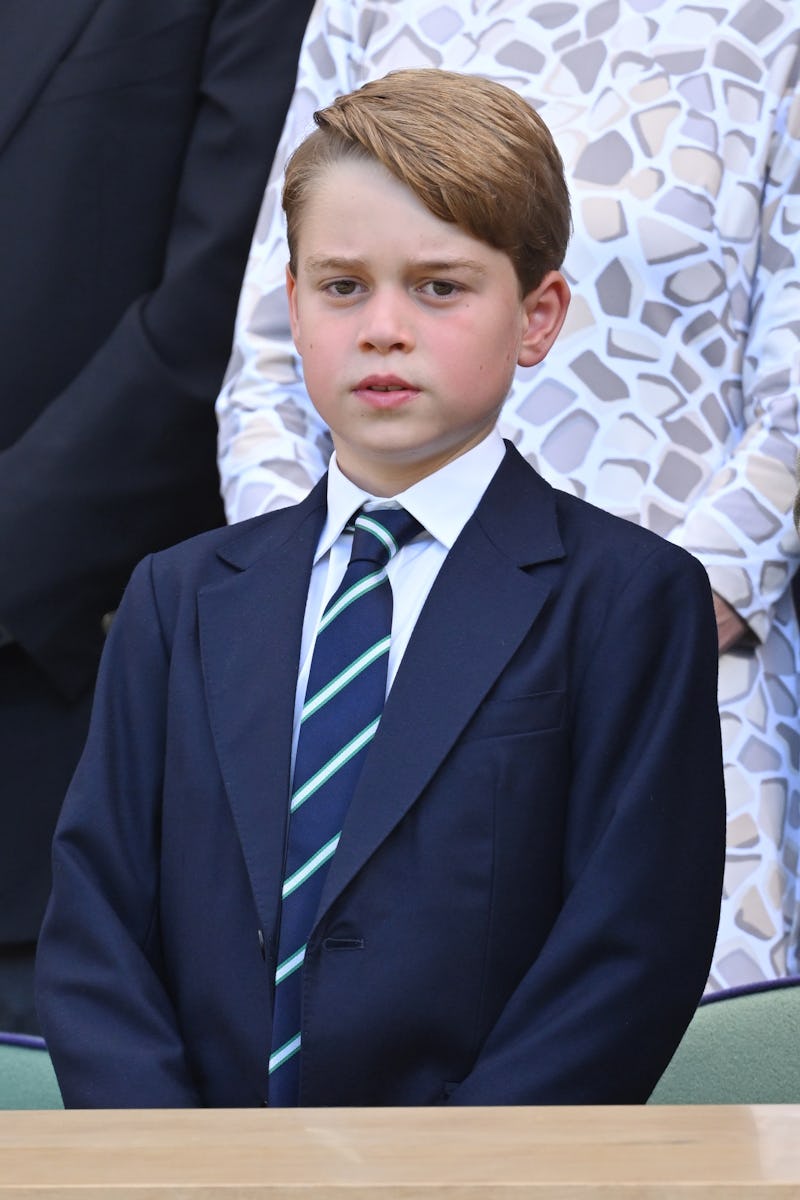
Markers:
345,696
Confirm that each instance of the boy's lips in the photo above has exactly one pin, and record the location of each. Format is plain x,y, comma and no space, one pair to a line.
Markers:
385,391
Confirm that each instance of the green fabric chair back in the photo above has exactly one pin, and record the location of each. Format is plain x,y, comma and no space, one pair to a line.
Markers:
27,1078
742,1047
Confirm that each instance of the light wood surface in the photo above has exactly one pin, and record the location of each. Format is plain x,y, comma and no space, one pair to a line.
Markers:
719,1153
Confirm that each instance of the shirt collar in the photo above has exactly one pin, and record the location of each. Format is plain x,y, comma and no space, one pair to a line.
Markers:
443,502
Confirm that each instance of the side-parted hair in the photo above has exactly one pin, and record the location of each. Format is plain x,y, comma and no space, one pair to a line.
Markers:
474,152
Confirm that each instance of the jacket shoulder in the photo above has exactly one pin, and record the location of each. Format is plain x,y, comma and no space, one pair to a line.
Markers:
216,554
618,542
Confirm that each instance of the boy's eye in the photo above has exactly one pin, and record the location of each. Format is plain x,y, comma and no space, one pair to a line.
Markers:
440,287
342,287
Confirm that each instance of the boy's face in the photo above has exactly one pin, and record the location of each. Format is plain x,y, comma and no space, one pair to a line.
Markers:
409,328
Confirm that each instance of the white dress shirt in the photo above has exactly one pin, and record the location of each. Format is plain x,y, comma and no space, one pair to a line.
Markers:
442,503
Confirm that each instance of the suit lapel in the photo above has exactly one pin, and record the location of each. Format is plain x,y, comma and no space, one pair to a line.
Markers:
250,632
454,656
34,37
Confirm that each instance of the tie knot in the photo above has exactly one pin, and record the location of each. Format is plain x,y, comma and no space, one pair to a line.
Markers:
380,533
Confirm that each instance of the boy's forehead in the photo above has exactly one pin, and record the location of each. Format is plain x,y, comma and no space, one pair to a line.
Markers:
356,205
346,179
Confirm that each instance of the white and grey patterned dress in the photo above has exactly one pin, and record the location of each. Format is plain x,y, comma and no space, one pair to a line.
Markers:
671,397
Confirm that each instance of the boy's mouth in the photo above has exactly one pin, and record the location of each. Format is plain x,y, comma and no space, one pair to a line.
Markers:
385,391
384,383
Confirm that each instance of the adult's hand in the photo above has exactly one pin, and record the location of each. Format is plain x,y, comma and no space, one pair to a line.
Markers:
730,626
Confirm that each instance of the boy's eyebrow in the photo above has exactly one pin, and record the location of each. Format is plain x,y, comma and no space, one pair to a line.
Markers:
431,266
320,263
442,266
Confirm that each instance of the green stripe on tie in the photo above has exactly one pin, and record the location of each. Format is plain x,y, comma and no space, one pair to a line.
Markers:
354,593
289,965
377,530
283,1053
308,868
334,764
344,677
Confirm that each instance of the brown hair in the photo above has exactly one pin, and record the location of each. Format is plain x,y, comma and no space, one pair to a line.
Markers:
474,152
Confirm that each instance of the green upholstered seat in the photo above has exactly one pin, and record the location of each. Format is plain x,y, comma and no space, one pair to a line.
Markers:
742,1047
27,1078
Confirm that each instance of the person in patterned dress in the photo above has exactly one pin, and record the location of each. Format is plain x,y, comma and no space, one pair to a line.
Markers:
671,397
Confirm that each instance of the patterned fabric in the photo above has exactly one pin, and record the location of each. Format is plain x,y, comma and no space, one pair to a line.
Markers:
344,701
671,397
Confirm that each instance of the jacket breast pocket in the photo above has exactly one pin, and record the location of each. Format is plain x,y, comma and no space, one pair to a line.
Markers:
538,713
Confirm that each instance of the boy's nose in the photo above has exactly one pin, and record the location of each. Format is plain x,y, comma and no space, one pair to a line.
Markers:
387,324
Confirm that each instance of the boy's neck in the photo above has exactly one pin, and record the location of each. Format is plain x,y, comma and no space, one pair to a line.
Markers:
442,502
386,480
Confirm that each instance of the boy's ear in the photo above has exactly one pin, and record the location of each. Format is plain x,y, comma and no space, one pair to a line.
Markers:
294,320
545,308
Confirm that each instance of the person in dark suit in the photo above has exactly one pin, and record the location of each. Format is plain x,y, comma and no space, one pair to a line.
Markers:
135,141
521,905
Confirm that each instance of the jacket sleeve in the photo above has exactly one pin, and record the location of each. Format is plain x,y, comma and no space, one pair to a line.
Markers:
602,1008
101,995
122,461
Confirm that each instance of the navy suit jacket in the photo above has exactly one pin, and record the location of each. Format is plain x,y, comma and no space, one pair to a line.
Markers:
136,137
524,900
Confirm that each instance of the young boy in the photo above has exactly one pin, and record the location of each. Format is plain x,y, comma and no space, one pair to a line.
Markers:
505,888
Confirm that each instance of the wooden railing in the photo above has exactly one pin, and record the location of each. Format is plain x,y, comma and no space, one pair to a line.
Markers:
647,1153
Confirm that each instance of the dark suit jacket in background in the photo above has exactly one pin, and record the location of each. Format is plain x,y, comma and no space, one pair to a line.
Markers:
135,141
524,900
